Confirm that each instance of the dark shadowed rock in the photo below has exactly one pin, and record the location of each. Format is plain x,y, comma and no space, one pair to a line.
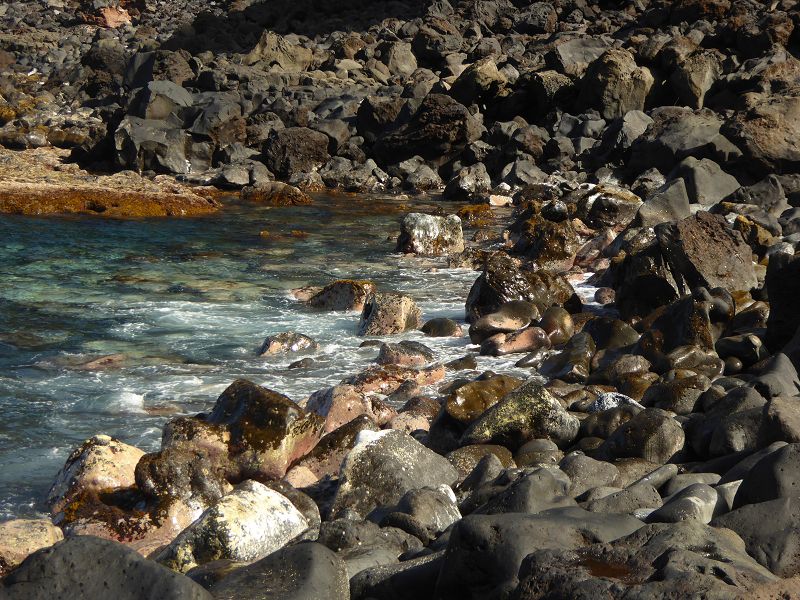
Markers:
783,283
88,567
768,134
652,435
307,571
499,543
502,281
295,150
615,85
657,561
440,128
777,475
770,532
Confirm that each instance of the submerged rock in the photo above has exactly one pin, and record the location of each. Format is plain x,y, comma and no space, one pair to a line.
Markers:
287,341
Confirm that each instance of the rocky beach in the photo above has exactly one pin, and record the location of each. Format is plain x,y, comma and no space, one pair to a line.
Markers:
486,300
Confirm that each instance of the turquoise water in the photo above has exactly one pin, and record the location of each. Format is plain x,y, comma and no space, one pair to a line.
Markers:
181,307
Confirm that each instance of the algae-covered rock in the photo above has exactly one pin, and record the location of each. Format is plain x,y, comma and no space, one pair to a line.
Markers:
528,412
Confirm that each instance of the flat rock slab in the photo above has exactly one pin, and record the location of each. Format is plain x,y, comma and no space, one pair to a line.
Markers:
33,186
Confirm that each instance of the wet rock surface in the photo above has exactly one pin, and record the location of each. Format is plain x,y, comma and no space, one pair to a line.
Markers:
622,181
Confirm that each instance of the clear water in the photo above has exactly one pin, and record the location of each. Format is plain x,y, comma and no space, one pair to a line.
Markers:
184,304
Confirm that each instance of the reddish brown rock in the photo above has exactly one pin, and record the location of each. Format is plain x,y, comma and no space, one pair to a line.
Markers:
341,404
386,379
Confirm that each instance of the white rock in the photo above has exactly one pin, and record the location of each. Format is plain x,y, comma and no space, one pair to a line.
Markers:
246,525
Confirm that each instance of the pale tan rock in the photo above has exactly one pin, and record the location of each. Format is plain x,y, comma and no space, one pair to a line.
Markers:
21,537
100,464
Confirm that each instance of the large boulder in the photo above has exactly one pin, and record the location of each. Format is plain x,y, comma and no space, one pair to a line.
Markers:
768,135
398,57
307,571
484,552
101,464
468,183
770,532
143,144
435,38
382,467
440,129
251,433
295,150
429,235
327,456
528,412
677,133
706,252
572,57
698,251
89,567
676,560
160,99
503,281
479,82
469,401
651,434
389,313
551,245
615,85
538,18
706,182
246,525
777,475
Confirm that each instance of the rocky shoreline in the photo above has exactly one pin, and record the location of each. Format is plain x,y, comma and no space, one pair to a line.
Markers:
647,147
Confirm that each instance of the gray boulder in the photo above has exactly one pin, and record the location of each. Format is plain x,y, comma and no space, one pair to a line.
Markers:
307,571
499,543
90,567
382,467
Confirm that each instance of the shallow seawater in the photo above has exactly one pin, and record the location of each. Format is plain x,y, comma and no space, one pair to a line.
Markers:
175,310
